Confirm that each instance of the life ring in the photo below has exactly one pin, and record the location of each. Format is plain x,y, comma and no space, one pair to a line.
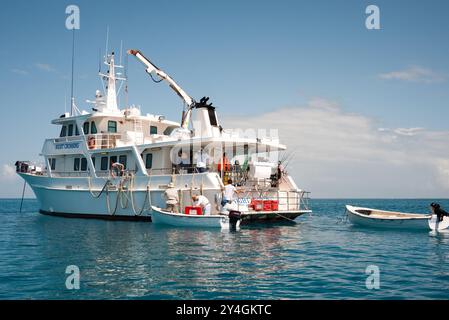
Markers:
117,169
91,142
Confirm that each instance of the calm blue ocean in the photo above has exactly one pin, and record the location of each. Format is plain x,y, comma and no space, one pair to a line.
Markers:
321,257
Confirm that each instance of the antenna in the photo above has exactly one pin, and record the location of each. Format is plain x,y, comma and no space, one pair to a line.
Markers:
99,60
72,99
107,41
126,81
121,49
121,66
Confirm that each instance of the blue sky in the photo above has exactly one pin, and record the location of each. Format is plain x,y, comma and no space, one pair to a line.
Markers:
250,57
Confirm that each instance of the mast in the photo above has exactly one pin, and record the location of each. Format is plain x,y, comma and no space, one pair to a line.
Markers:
111,98
72,98
110,101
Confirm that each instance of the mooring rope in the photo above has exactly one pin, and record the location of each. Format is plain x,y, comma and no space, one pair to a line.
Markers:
147,197
116,201
102,190
280,215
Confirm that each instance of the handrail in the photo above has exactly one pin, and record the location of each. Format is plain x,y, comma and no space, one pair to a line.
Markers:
102,140
67,139
300,198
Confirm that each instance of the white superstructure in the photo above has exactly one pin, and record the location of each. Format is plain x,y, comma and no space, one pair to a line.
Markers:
117,163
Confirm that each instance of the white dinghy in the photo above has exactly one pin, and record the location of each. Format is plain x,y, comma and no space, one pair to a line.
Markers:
160,216
387,219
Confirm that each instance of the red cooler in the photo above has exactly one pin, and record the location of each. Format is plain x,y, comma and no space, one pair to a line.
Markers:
257,205
193,210
267,205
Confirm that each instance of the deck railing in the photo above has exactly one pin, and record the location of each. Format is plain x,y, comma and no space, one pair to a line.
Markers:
288,200
102,140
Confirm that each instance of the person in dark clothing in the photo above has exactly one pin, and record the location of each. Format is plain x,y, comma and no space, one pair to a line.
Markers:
436,209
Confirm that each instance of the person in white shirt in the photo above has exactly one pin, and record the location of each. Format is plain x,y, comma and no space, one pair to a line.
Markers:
229,192
171,198
203,202
201,161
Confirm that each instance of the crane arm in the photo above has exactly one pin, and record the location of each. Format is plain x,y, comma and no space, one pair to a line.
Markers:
151,68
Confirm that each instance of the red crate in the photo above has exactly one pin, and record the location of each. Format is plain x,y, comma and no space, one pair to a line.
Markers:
274,205
257,205
266,205
193,210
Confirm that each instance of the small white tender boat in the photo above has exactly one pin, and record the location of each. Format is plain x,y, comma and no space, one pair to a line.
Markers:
387,219
160,216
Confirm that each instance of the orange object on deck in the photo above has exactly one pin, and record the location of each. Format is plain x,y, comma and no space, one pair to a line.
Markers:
91,142
274,205
225,163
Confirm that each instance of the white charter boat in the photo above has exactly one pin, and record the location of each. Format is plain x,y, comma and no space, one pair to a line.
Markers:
116,163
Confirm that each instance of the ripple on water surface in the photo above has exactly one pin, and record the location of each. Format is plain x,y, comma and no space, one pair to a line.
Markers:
321,256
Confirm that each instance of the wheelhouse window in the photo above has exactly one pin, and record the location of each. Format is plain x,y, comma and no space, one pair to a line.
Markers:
112,160
212,117
168,130
112,126
93,128
86,128
149,160
70,133
77,133
63,131
83,164
104,163
153,130
123,160
76,164
52,163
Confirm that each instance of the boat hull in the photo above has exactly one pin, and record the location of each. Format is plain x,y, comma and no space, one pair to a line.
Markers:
272,216
80,201
142,218
418,223
184,220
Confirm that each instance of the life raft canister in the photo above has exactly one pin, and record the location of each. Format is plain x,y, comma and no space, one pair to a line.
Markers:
117,169
91,142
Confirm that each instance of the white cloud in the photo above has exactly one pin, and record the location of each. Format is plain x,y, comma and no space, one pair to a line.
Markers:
414,74
408,131
8,173
403,131
340,154
20,71
45,67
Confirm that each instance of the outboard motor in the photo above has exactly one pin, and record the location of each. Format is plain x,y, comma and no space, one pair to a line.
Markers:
439,211
234,218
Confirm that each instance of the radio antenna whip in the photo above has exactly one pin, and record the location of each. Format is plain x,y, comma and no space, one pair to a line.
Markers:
72,99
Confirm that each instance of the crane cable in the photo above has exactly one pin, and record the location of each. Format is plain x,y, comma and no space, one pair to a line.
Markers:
156,81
